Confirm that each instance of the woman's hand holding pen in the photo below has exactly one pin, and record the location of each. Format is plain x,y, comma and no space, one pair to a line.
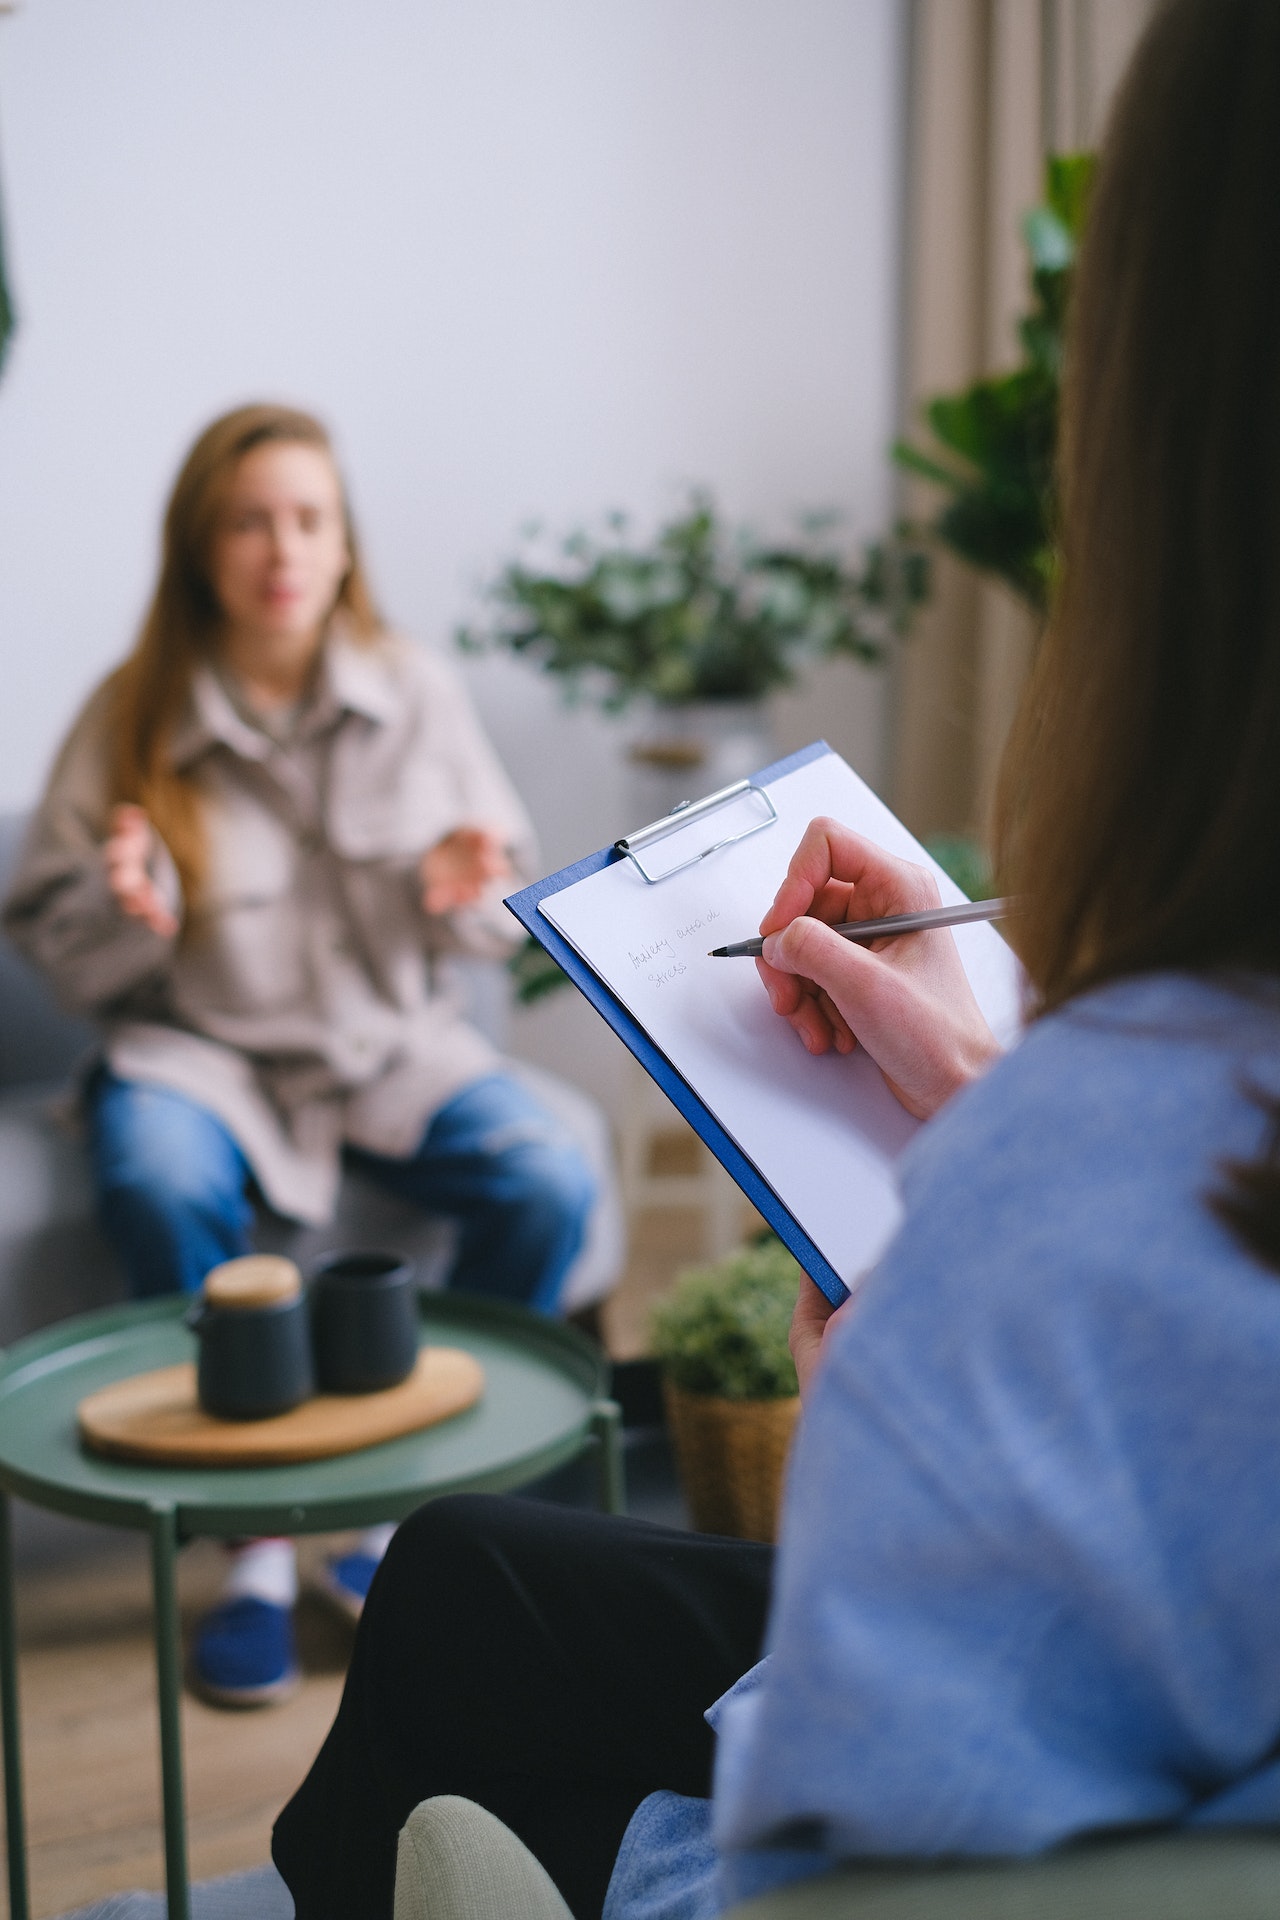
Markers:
907,1001
127,852
459,868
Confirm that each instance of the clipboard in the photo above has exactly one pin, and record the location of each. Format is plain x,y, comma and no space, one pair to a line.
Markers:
524,905
812,1142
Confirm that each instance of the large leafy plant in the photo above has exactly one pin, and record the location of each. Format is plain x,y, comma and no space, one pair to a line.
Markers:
996,440
697,613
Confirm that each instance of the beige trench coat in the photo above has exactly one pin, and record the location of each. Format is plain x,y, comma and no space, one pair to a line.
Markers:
297,1001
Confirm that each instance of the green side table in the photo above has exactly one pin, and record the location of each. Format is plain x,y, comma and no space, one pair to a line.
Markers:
544,1403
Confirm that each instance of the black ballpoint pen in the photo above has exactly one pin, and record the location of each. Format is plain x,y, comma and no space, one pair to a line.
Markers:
894,923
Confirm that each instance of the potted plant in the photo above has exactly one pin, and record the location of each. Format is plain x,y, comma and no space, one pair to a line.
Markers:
699,625
729,1383
696,625
997,440
995,444
696,615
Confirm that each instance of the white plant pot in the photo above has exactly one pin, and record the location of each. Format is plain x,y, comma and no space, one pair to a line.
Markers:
681,752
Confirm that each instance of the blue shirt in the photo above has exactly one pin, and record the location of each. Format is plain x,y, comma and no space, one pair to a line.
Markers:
1029,1574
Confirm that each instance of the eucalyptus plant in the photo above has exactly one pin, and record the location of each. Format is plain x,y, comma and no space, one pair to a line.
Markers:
697,613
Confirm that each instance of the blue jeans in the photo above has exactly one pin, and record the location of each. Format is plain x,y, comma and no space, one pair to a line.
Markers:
173,1187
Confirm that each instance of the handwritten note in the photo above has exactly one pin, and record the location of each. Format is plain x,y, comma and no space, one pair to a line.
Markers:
824,1133
665,957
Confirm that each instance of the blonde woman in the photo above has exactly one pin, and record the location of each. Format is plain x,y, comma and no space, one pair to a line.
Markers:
261,831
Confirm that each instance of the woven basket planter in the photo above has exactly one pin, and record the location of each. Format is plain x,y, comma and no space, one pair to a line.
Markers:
731,1455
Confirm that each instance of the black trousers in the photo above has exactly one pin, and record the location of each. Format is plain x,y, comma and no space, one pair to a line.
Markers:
551,1664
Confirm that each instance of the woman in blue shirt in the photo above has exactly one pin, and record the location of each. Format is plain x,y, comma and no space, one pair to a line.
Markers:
1026,1584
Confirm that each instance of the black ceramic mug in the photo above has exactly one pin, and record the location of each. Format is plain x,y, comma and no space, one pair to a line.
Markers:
254,1361
364,1321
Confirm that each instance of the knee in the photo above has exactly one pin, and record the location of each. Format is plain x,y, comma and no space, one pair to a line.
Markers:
160,1153
436,1562
549,1179
161,1186
441,1531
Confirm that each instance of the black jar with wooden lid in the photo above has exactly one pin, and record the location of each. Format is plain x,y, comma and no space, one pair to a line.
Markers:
254,1332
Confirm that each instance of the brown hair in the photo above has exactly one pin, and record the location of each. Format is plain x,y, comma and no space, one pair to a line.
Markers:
1140,801
149,690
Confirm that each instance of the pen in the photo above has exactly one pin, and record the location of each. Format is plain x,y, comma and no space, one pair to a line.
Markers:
961,916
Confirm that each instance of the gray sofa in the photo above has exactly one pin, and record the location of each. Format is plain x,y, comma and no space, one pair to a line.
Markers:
54,1262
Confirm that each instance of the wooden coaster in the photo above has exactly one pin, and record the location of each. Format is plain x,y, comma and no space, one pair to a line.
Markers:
156,1417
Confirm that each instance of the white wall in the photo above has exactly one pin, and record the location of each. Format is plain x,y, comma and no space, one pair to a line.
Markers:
529,257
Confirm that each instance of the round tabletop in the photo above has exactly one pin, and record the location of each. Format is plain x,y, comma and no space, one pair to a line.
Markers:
543,1381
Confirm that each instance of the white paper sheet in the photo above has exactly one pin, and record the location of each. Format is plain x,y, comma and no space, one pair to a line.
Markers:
824,1133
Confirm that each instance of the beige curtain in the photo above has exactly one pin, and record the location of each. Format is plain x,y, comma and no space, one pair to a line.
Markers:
994,86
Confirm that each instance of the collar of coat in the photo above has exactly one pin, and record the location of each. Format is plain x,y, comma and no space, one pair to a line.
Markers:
351,679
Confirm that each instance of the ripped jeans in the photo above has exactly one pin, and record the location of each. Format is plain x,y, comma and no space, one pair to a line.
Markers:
173,1187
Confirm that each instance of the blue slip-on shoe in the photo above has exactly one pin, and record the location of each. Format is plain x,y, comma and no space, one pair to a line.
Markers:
344,1580
242,1654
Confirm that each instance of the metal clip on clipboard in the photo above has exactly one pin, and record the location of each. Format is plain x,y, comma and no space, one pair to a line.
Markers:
679,817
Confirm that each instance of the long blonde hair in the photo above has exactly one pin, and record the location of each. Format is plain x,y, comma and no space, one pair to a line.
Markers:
149,691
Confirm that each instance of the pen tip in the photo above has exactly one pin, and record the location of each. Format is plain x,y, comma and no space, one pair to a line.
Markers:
716,953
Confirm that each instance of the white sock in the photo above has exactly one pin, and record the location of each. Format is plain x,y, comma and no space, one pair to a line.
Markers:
375,1540
263,1570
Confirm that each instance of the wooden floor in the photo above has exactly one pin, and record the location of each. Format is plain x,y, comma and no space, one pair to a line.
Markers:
88,1686
89,1728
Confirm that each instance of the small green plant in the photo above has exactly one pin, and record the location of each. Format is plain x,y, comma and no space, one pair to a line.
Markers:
998,437
696,614
723,1329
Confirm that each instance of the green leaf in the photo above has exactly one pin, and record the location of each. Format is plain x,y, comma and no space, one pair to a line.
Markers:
534,972
964,861
1000,433
916,462
1069,179
1050,241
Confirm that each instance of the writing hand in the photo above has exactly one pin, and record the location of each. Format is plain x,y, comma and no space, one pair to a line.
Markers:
126,851
457,870
907,1000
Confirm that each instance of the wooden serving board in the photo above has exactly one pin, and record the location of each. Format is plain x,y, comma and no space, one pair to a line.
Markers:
156,1417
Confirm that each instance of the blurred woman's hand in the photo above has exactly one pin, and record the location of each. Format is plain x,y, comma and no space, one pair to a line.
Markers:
458,869
906,1000
126,852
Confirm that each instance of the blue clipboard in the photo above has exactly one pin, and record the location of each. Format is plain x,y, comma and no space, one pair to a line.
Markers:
524,905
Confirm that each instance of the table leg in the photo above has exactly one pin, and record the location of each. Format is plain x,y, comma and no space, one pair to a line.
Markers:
15,1823
164,1562
606,1425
